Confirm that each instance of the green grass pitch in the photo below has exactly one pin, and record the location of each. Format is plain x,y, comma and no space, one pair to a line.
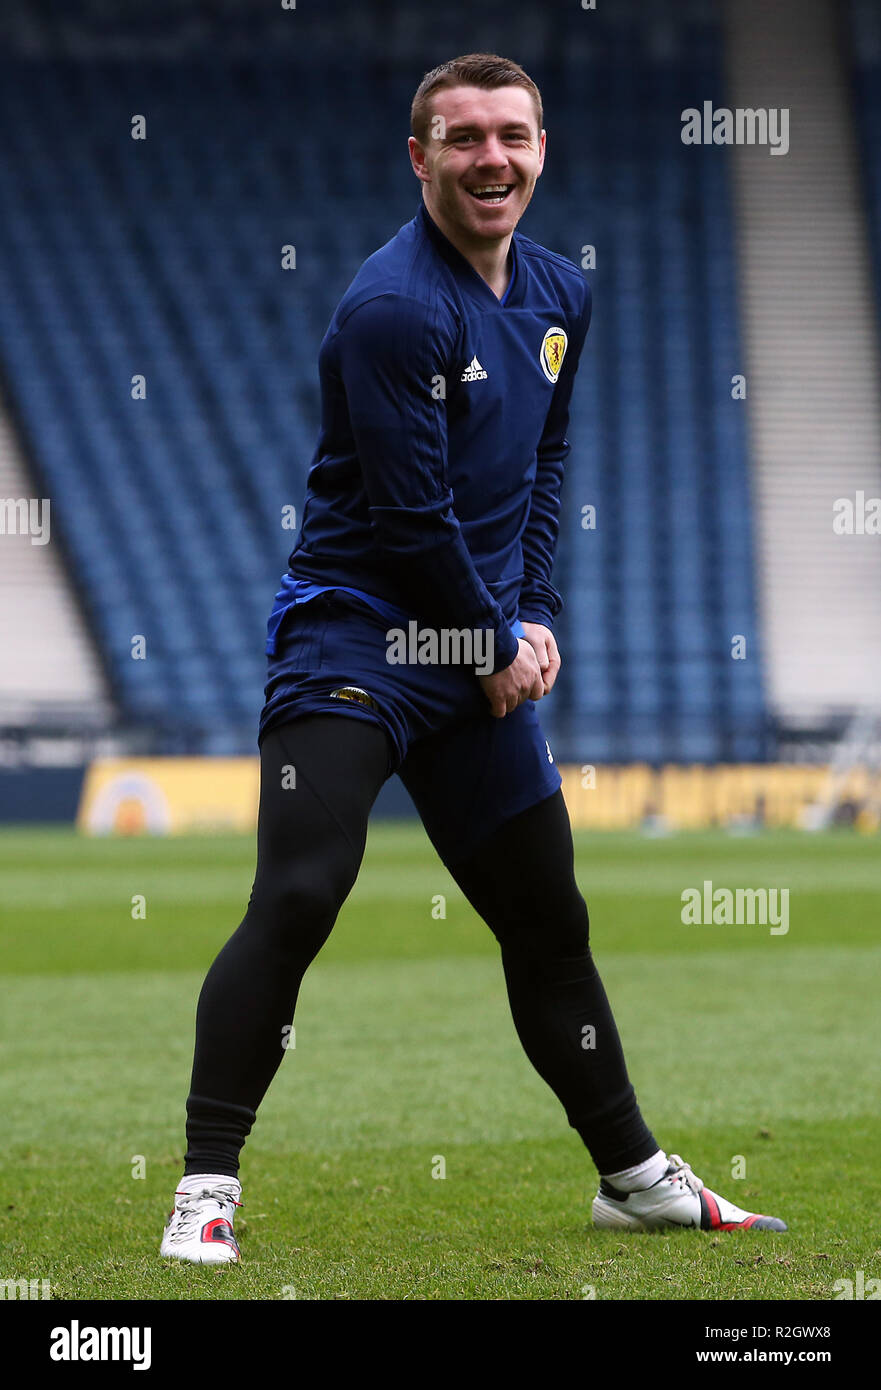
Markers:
739,1042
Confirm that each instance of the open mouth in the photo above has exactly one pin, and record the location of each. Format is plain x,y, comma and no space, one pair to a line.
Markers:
492,193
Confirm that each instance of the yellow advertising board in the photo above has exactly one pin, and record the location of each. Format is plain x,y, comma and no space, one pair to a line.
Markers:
168,796
682,797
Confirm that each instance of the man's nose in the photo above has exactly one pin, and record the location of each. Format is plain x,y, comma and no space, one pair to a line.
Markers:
492,153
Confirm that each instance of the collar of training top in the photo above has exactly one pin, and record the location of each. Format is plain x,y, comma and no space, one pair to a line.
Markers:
465,270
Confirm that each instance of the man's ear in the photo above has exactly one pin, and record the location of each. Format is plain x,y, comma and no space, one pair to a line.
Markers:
542,145
417,159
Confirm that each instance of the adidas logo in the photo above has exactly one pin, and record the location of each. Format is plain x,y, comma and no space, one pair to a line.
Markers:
473,372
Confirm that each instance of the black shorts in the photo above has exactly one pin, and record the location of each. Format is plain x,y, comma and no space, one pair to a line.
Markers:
466,770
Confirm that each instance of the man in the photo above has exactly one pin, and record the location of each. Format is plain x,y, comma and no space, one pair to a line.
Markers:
432,504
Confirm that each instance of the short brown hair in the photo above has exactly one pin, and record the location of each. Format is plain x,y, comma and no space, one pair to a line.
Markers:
485,70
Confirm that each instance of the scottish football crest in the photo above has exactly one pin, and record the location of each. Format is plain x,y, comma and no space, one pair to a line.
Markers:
553,350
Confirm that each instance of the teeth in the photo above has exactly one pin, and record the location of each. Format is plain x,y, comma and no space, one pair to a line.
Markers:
491,188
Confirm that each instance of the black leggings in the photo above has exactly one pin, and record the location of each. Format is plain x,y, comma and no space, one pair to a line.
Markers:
320,775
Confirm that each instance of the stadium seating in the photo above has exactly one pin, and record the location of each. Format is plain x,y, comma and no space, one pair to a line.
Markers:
864,35
162,257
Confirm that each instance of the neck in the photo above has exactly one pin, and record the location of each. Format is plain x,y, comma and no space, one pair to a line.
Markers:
489,259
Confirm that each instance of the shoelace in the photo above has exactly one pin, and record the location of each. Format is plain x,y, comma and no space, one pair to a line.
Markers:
682,1173
187,1211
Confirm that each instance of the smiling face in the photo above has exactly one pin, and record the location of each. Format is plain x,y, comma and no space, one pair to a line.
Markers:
479,174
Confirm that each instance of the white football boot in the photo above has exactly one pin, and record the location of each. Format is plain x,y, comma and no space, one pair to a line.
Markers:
199,1228
677,1199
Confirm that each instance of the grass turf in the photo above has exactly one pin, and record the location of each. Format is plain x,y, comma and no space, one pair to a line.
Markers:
740,1044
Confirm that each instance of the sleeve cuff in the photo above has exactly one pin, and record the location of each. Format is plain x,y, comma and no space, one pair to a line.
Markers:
507,645
531,614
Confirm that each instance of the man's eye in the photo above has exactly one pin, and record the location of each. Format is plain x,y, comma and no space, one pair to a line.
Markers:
509,139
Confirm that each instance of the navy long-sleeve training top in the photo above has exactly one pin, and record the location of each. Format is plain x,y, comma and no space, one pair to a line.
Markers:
435,485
